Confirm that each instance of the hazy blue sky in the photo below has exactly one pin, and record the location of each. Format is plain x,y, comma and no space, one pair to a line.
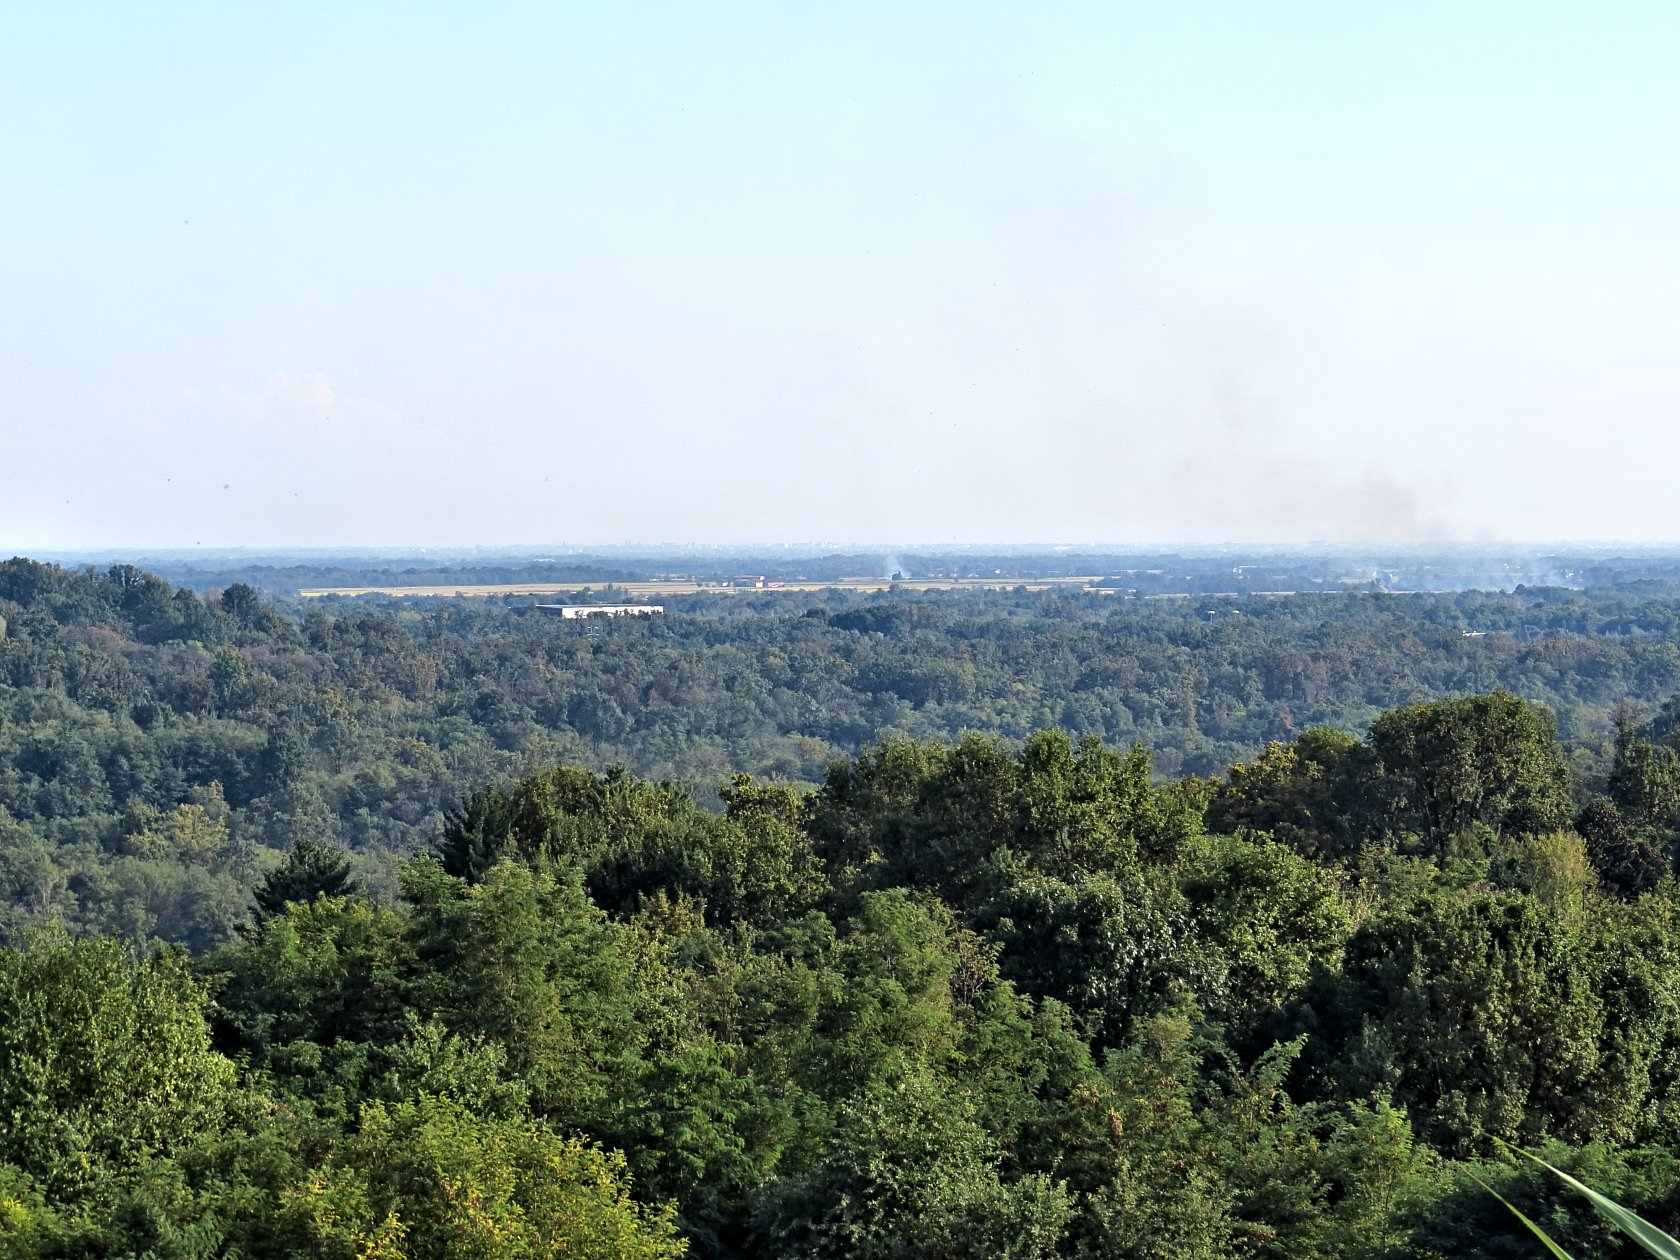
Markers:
552,272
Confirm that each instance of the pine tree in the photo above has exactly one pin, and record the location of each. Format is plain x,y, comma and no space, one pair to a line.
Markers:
475,834
312,869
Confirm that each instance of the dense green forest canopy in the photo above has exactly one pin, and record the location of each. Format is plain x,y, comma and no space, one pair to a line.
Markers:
160,749
991,924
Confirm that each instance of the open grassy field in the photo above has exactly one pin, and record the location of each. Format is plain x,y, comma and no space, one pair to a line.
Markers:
649,589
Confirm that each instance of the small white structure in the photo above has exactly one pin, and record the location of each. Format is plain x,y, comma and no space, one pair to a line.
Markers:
573,612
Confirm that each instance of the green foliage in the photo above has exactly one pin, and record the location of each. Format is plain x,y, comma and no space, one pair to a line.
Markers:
428,1179
362,723
1265,923
935,817
1650,1239
632,839
908,1173
1109,946
1464,1219
311,978
525,960
1451,764
889,1004
1000,984
311,870
105,1060
1302,794
1644,778
1487,1013
1177,1150
1629,859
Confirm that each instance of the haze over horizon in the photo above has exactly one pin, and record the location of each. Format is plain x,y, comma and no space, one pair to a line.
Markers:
257,553
425,278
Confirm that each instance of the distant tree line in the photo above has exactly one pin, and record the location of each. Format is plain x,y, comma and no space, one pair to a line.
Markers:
1151,572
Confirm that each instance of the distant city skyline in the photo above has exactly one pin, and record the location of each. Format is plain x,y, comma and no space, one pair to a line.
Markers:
489,274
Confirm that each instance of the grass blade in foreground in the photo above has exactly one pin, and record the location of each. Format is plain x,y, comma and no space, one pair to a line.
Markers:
1516,1212
1634,1226
1539,1233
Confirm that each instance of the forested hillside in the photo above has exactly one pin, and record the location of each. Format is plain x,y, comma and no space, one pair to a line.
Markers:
1227,931
159,750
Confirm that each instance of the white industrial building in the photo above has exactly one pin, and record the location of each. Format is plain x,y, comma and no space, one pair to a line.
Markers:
574,611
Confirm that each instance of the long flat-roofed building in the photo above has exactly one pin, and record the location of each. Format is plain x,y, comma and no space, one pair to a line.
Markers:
574,611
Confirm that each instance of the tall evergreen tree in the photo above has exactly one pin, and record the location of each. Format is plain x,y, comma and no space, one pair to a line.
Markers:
312,869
